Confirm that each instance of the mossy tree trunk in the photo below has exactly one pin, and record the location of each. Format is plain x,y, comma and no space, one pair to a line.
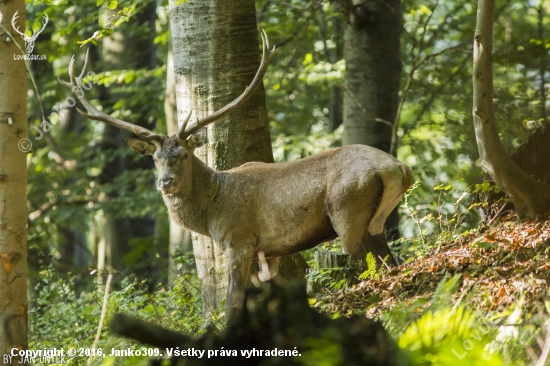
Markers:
13,188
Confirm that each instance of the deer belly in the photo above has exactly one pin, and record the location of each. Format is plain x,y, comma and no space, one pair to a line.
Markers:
296,233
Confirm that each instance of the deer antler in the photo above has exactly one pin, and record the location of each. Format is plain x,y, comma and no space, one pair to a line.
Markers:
16,28
93,113
185,131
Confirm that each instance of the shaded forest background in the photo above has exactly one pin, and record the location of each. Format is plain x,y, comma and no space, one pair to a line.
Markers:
82,179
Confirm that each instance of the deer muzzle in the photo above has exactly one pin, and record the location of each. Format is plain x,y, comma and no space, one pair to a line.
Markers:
165,183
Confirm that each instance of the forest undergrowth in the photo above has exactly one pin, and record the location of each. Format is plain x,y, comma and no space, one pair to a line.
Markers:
475,297
478,298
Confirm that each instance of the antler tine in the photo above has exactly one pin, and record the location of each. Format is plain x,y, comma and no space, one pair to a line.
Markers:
93,113
181,131
63,82
267,54
71,72
77,81
84,68
146,135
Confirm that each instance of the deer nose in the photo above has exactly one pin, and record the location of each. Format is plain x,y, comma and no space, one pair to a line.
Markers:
164,183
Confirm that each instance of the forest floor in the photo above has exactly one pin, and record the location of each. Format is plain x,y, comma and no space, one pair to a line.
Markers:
498,264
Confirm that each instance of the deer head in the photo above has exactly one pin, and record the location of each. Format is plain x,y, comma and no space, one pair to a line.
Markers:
172,157
172,154
29,41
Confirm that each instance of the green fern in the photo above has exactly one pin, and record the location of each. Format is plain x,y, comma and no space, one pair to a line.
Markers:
371,271
450,336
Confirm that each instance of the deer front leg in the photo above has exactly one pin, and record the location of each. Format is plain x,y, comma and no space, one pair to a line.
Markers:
238,268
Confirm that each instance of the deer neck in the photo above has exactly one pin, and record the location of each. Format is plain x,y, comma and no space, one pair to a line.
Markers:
189,208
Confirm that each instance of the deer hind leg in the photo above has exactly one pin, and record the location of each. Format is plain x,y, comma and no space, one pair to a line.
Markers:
358,241
393,192
352,215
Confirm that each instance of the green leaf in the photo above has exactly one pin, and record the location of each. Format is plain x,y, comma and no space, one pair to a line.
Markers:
484,245
112,4
373,299
442,187
425,10
100,2
149,309
307,59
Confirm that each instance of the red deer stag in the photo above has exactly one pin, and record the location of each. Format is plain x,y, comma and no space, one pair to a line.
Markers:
277,209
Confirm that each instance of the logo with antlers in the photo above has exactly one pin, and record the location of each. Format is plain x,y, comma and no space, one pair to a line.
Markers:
29,41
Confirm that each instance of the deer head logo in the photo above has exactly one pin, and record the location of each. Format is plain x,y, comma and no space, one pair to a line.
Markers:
29,41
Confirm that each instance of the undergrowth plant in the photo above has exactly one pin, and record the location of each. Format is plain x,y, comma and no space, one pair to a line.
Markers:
325,278
438,222
442,330
372,271
61,317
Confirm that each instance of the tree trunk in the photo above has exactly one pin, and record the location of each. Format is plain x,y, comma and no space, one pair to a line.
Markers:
531,197
124,49
13,185
371,89
335,94
180,238
373,66
216,55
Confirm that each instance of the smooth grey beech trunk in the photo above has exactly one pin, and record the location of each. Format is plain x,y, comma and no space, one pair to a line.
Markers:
531,197
216,55
373,67
13,187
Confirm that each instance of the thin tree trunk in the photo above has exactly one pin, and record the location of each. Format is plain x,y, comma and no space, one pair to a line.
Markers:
72,242
373,66
122,50
531,197
543,67
371,89
335,96
13,185
180,238
216,55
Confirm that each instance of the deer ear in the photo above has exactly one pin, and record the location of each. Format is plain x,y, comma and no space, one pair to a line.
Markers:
140,146
198,139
